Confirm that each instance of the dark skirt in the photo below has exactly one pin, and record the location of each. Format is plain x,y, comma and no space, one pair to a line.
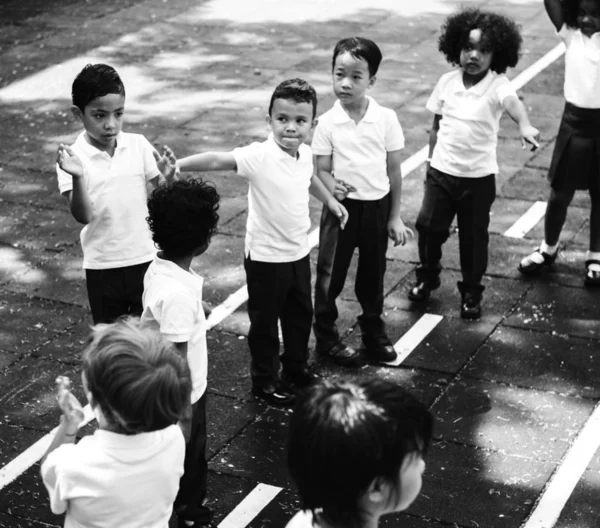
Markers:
576,158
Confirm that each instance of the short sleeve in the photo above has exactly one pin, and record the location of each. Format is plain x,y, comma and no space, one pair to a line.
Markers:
55,477
65,180
151,169
504,88
321,142
178,316
435,102
248,159
394,137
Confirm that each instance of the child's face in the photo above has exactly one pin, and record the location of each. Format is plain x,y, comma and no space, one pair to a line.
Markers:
588,17
102,119
291,123
411,479
475,57
351,79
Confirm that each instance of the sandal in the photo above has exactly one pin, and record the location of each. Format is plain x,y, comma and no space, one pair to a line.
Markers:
534,263
592,277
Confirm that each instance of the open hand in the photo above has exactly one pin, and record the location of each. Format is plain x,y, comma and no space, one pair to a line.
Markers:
530,135
338,210
398,232
69,161
167,163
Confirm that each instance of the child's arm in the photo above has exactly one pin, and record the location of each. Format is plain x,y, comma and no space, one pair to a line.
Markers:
208,161
517,112
71,418
396,229
554,8
433,135
321,193
79,199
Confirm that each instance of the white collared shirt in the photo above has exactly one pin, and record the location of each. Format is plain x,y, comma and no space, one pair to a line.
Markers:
278,195
118,234
359,151
110,479
582,67
172,303
468,134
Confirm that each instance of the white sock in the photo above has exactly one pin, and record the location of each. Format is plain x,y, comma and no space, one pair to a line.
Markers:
593,255
549,250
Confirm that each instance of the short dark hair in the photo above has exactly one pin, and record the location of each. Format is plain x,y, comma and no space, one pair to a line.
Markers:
136,377
182,216
359,48
297,90
95,80
571,12
344,434
500,33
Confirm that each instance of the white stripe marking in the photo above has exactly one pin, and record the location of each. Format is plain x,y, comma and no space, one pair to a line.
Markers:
541,64
414,336
528,221
250,507
567,476
16,467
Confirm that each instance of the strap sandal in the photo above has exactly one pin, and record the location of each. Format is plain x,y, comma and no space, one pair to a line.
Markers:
534,263
592,276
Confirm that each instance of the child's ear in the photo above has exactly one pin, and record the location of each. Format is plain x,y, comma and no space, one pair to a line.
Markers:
315,122
372,81
268,120
378,490
77,112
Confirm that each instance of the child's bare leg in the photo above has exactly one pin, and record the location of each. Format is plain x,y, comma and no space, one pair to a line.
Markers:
556,214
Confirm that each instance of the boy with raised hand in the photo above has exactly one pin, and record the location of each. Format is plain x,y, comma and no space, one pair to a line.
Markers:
360,142
281,176
104,175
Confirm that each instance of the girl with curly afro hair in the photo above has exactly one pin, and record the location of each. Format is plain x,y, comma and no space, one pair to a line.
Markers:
575,162
467,104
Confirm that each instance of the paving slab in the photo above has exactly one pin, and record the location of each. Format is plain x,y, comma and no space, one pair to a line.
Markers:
581,508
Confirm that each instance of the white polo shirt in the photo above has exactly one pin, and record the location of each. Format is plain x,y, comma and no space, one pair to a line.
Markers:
110,479
278,214
172,303
468,134
582,67
359,151
118,234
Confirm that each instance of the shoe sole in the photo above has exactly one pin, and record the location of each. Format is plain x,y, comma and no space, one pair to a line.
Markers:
271,400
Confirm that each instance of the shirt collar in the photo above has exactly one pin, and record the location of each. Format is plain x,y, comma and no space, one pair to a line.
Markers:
372,114
90,150
189,278
479,89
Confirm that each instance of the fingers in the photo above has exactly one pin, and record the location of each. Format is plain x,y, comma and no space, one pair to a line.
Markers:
156,155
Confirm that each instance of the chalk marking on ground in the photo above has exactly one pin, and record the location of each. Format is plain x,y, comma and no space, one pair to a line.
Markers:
528,221
568,474
250,507
414,336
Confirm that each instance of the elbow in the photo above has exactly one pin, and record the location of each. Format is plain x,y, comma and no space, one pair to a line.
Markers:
82,218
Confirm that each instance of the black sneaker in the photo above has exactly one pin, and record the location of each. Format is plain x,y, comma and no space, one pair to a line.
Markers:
341,354
274,393
470,307
421,291
299,379
379,348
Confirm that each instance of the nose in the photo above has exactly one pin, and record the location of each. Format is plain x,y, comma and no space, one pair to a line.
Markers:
474,54
291,126
345,82
110,123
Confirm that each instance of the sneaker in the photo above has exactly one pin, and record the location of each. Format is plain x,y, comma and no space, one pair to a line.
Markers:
470,307
275,393
340,353
592,276
534,263
299,379
379,348
421,291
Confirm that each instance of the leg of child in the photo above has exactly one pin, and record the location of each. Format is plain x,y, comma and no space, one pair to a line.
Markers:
192,486
556,214
105,295
593,255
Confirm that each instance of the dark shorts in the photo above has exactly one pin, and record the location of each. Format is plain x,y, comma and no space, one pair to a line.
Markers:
576,159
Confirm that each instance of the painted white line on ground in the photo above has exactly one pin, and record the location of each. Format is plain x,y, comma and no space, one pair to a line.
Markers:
414,336
541,64
567,476
250,507
15,468
528,221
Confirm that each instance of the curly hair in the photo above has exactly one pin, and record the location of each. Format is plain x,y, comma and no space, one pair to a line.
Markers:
183,216
570,10
500,33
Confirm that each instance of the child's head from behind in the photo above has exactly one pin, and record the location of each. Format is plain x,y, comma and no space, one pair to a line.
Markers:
134,377
183,217
98,96
583,14
292,113
355,449
480,40
355,63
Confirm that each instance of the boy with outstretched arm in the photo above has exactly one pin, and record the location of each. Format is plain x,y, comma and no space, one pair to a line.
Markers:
281,176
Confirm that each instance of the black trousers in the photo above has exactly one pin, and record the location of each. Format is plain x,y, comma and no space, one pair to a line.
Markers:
192,485
470,200
115,292
366,230
278,291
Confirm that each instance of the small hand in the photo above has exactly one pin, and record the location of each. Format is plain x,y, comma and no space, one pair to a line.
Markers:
338,210
167,163
530,135
342,189
398,232
207,308
69,161
70,407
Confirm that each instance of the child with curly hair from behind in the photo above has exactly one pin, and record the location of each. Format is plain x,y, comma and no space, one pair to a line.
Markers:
355,452
467,104
575,162
127,473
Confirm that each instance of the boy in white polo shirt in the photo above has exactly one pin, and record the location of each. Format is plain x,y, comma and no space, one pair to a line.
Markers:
468,103
280,173
104,176
182,217
360,141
